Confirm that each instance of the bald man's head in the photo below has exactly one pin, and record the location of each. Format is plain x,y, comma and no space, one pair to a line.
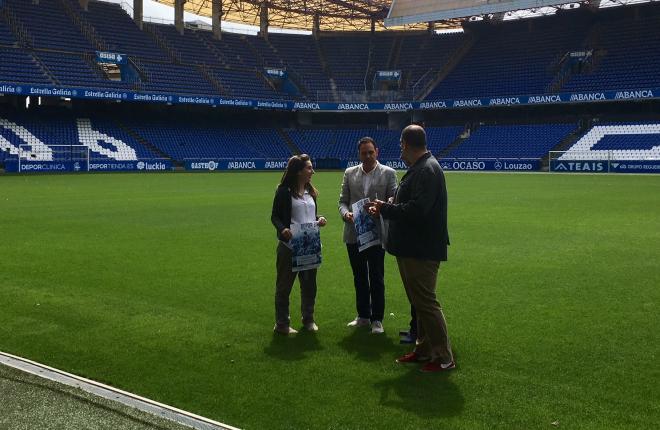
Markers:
414,136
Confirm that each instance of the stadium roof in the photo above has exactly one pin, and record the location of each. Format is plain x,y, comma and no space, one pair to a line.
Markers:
299,14
358,15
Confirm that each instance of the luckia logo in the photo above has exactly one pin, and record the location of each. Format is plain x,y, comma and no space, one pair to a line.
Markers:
140,165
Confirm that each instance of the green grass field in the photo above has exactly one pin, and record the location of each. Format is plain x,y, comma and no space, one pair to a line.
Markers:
163,285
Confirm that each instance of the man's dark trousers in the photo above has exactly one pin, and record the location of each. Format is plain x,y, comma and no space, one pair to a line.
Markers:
368,276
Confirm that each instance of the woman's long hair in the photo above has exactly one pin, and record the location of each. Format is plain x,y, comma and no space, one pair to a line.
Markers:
290,177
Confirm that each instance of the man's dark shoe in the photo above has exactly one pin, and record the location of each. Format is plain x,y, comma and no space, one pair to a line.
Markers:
436,366
407,339
412,357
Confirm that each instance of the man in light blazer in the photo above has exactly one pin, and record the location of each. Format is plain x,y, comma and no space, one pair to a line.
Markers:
375,181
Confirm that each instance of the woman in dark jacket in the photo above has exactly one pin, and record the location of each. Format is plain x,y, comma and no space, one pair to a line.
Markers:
294,203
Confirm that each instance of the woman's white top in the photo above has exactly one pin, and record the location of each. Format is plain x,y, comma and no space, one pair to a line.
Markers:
303,210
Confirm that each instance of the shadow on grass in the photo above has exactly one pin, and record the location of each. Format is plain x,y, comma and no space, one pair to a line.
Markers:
427,395
293,347
367,346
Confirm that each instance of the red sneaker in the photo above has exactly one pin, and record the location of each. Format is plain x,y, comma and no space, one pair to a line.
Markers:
436,366
412,357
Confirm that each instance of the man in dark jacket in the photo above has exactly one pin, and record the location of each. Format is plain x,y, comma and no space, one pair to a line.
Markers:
418,238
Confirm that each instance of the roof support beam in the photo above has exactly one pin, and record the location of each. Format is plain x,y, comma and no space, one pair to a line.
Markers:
138,12
351,6
316,25
216,18
263,20
178,15
335,14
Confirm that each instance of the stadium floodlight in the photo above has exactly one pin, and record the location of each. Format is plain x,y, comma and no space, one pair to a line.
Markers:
404,12
48,158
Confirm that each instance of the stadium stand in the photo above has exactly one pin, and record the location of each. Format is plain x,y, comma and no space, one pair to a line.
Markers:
118,32
174,78
227,62
187,47
511,141
266,54
439,138
380,53
334,143
627,56
51,127
422,57
232,47
342,143
347,60
20,67
49,26
249,84
76,70
300,55
503,59
54,42
518,61
620,141
131,138
190,140
6,36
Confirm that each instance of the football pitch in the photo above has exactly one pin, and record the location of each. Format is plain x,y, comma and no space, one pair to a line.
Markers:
163,285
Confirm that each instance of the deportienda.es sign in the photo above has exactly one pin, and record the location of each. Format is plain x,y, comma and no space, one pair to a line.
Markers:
131,166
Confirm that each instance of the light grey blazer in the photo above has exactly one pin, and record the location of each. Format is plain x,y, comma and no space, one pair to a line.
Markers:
383,185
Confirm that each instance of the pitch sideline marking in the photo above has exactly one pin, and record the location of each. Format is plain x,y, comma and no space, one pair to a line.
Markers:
129,399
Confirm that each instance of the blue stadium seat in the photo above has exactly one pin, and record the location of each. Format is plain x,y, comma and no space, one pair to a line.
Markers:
342,143
193,140
617,141
119,32
630,49
512,141
510,59
49,26
19,66
58,127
